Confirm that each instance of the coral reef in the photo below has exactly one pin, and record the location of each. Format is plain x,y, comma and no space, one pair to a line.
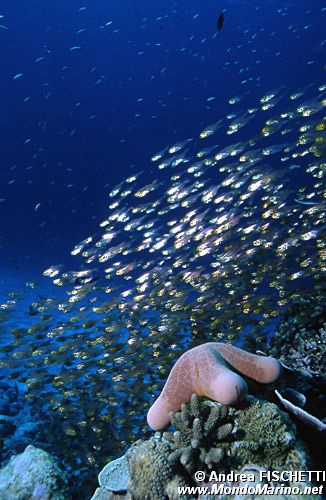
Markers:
299,340
210,436
33,474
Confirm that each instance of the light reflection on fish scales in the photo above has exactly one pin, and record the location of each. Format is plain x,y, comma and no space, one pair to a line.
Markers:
219,242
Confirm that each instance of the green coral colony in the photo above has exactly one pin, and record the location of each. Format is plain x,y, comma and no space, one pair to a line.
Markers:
217,241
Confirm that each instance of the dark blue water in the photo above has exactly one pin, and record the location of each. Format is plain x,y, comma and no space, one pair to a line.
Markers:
105,85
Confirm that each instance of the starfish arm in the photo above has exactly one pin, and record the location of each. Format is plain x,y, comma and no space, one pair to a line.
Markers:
262,369
177,390
214,378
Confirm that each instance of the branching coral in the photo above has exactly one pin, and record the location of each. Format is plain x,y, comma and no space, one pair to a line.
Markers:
265,435
202,436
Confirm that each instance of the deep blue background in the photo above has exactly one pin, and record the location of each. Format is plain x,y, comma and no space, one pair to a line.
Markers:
78,121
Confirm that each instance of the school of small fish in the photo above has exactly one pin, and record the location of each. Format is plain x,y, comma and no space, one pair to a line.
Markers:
219,242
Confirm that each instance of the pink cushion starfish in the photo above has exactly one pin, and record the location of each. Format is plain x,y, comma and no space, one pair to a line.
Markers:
207,371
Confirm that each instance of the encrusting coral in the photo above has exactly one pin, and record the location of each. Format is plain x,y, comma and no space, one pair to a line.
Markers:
266,436
304,329
299,340
149,469
207,370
